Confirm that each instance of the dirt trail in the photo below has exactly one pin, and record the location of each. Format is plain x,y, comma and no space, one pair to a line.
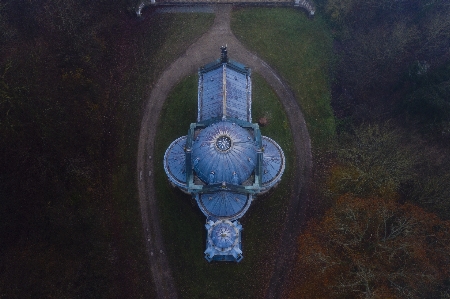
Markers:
202,51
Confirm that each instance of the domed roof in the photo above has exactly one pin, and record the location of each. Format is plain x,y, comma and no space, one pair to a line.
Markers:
224,152
224,235
223,241
273,163
175,162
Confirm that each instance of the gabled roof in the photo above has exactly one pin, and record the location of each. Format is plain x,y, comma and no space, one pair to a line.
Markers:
224,90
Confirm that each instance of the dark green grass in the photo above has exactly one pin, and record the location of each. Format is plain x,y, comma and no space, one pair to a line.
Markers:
167,37
72,226
183,223
300,50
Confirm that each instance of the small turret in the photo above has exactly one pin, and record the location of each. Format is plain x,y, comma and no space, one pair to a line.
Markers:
224,54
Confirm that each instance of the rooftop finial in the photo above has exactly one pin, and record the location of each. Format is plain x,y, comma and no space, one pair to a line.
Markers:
224,55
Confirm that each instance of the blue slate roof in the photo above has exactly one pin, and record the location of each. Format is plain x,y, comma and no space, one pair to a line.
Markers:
224,152
175,162
223,241
224,90
273,163
210,98
223,236
223,204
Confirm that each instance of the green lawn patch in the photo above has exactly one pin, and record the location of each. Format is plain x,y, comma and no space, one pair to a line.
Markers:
300,49
157,43
183,223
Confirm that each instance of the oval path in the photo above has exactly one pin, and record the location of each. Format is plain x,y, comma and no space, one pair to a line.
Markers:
204,50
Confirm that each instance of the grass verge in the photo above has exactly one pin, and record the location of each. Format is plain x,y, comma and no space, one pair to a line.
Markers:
183,223
300,49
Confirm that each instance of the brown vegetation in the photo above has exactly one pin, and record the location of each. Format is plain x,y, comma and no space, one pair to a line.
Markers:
373,248
387,172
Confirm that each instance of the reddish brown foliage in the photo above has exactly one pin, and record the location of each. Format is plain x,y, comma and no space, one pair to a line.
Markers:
373,249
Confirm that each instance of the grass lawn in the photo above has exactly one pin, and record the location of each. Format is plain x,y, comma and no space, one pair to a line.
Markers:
299,62
300,49
183,223
155,43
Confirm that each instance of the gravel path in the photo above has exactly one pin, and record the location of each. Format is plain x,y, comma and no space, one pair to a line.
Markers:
202,51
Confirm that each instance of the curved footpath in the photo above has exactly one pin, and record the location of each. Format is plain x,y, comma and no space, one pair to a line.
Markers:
202,51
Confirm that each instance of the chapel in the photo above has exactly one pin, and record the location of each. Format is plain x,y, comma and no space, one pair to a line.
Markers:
224,162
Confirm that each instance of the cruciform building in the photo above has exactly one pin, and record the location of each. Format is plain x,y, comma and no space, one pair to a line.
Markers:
223,161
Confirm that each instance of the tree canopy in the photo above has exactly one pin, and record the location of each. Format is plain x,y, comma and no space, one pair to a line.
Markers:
374,248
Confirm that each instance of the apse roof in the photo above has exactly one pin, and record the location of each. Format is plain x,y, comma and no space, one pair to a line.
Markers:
175,162
223,204
273,163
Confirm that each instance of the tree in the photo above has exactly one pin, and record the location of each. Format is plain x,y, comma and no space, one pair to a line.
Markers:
377,43
60,133
373,160
373,248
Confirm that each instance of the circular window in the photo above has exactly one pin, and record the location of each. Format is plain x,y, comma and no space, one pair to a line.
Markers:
223,143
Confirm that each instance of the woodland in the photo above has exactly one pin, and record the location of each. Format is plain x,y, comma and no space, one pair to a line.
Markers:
69,215
66,70
385,230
